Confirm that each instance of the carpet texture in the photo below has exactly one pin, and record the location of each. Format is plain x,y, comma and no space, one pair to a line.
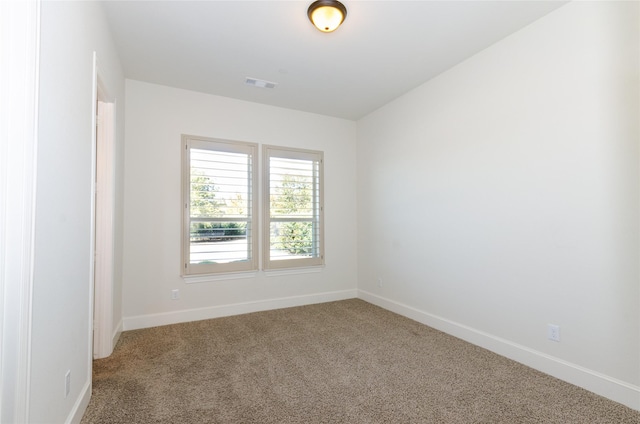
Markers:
338,362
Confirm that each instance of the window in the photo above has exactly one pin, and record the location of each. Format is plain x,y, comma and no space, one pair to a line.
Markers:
293,224
219,230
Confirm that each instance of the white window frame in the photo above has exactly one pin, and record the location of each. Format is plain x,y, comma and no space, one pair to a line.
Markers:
189,269
318,219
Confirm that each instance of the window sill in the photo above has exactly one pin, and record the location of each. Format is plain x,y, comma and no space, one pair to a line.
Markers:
205,278
291,271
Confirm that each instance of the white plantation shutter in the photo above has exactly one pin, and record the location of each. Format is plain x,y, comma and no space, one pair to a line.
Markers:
293,230
219,228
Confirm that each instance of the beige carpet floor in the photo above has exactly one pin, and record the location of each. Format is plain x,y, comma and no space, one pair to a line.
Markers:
338,362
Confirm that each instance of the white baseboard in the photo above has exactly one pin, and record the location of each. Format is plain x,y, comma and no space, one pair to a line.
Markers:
78,410
176,317
603,385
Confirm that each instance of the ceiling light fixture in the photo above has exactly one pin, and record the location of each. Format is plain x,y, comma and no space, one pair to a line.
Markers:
327,15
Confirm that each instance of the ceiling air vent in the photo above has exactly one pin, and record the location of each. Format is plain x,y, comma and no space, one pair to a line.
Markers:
260,83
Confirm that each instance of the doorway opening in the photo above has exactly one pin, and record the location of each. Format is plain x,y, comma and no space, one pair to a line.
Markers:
103,274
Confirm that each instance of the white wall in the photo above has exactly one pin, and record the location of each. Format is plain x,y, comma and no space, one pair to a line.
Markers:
156,118
70,33
503,195
20,29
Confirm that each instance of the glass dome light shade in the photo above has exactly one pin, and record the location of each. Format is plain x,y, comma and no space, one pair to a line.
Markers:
327,15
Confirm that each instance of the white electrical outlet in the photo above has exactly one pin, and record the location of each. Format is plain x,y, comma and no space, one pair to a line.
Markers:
175,294
553,332
67,383
379,282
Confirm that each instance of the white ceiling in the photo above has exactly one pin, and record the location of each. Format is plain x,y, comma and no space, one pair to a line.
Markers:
382,50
